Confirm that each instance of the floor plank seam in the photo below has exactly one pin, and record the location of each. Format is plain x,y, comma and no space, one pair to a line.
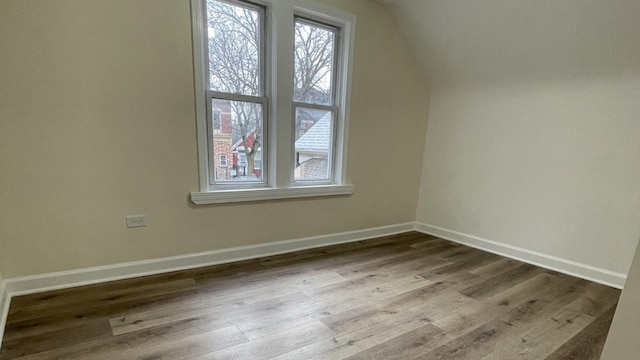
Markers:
402,297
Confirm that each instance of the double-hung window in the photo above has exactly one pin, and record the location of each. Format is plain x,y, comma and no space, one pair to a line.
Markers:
272,97
314,105
235,88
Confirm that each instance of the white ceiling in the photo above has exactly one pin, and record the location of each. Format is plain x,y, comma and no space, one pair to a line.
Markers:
478,41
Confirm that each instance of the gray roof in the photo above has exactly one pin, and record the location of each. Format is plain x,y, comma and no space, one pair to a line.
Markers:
317,138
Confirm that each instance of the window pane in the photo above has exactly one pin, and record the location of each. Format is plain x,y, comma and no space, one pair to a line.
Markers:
234,48
313,64
239,141
314,146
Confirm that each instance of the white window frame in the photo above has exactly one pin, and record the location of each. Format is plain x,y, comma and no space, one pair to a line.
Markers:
278,160
223,160
335,104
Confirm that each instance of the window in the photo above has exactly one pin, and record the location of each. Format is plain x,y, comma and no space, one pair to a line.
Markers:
248,85
313,96
217,125
236,51
223,160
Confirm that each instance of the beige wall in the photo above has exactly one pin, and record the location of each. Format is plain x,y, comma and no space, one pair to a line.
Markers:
534,136
553,168
97,122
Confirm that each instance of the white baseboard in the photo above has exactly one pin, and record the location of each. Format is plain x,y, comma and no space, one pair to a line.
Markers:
565,266
67,279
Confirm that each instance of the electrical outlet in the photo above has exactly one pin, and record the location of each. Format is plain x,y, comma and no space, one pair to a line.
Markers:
136,221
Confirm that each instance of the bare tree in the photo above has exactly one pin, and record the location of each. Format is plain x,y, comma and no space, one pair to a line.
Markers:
234,48
313,60
235,66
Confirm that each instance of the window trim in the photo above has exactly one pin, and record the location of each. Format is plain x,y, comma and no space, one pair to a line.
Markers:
260,194
279,158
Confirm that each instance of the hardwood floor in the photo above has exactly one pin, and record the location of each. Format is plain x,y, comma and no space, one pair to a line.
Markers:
407,296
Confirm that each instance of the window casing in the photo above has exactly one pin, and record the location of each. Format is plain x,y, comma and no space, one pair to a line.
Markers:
274,101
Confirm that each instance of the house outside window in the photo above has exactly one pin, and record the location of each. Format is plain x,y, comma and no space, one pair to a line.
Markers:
314,98
239,66
216,120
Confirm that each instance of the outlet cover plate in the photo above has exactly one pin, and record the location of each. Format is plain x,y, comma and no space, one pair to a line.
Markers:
136,221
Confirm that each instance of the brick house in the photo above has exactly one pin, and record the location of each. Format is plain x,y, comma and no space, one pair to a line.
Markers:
228,150
312,145
222,132
240,158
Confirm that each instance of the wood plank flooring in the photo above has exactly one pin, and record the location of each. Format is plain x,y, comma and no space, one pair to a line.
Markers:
408,296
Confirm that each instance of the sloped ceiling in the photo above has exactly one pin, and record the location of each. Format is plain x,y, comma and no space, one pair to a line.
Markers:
472,41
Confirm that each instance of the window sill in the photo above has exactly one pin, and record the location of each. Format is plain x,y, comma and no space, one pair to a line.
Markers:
244,195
